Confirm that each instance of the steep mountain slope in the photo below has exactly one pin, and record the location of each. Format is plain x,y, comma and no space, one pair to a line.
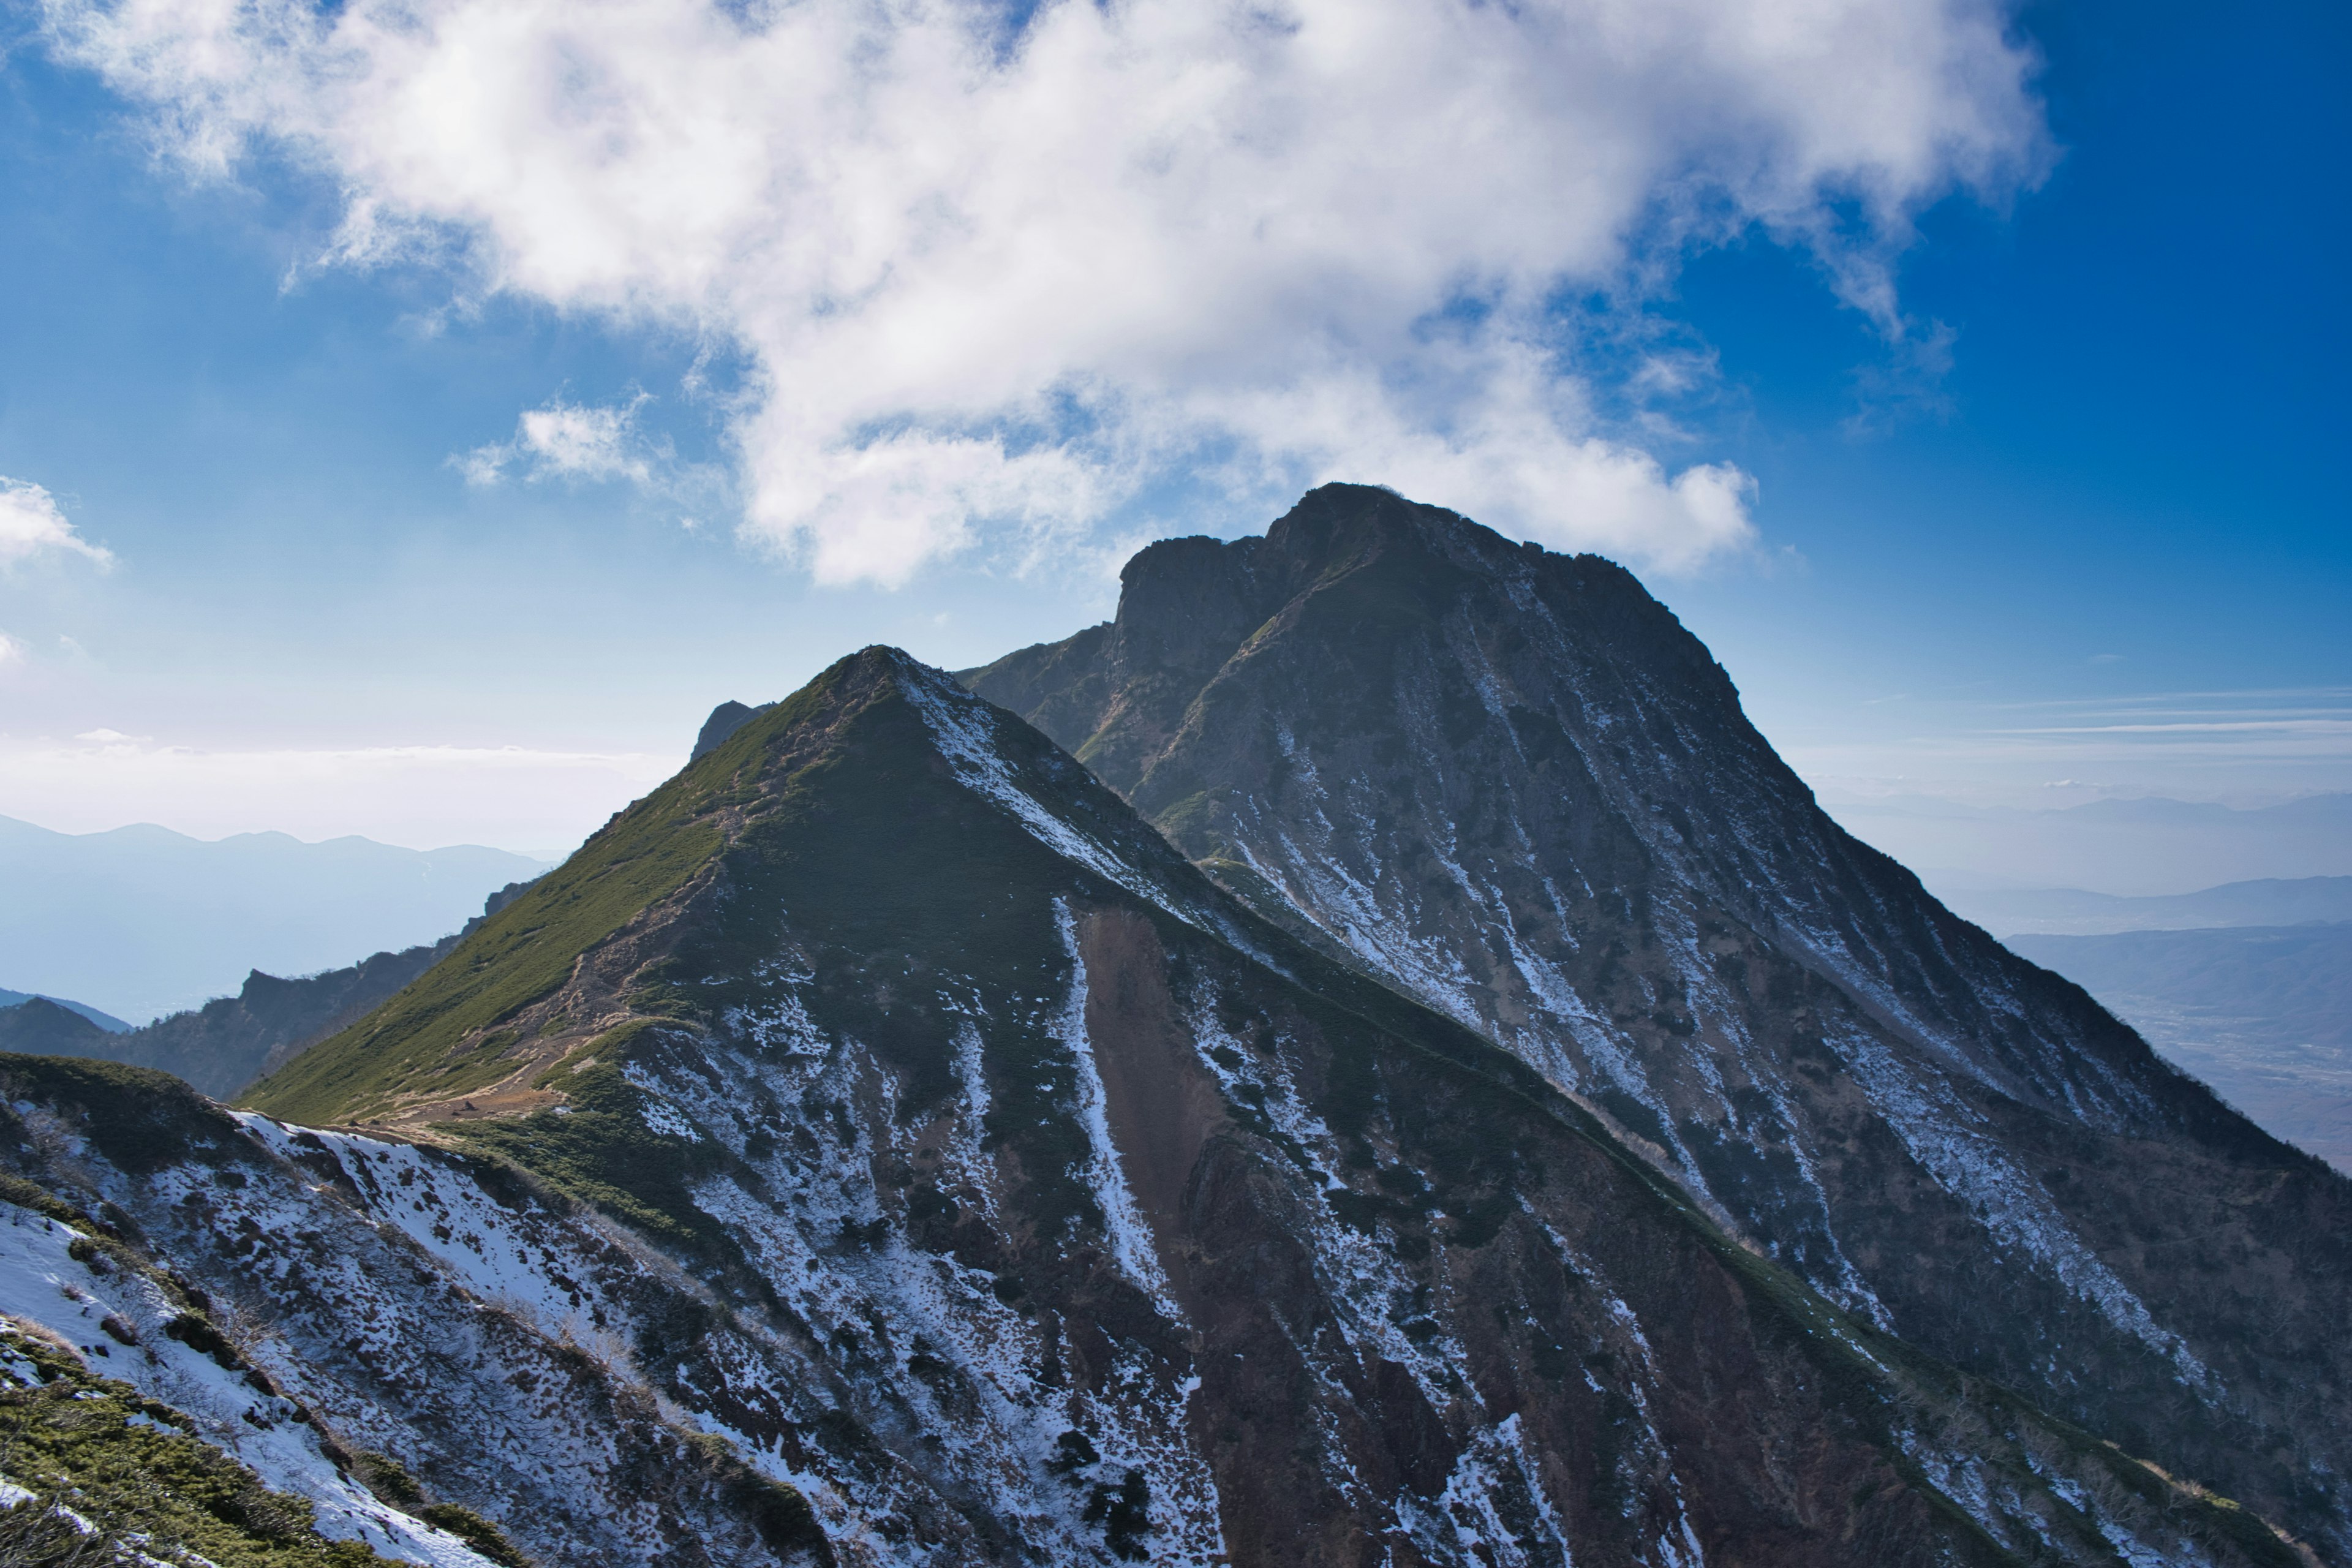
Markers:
1510,784
94,1473
877,1145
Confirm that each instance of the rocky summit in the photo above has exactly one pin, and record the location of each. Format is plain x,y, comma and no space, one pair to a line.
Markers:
1421,1086
1511,786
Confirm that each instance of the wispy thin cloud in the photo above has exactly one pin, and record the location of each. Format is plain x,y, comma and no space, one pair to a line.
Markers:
571,441
32,525
2247,744
2316,726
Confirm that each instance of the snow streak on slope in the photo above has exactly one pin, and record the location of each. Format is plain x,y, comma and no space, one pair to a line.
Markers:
1943,1135
42,1282
1130,1237
964,727
916,1343
1492,1507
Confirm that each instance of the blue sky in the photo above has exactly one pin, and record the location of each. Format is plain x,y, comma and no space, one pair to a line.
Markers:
1991,433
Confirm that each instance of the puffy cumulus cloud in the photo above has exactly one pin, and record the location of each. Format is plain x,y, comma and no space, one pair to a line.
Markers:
11,651
993,277
565,440
32,524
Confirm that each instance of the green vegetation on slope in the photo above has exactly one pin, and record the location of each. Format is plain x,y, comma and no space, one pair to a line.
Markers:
123,1467
899,889
519,955
598,1151
411,1045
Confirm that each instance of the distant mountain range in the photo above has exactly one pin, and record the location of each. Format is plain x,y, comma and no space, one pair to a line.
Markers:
229,1042
2262,1013
2131,847
143,922
2071,911
2248,986
107,1021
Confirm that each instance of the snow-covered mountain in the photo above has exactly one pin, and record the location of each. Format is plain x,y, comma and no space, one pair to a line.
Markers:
1511,786
879,1146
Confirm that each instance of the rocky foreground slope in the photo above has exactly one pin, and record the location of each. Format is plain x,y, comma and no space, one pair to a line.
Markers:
879,1145
1510,784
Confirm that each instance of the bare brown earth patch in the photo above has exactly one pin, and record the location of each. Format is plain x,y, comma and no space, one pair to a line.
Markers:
1163,1107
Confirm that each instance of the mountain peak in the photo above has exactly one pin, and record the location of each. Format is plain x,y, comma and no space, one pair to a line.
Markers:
874,751
879,1145
881,1124
1510,784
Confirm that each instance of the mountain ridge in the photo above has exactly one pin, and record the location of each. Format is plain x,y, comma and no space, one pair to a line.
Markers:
1513,785
897,1119
230,1041
107,1021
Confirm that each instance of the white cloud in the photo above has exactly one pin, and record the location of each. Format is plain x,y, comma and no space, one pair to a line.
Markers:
991,286
567,440
31,524
10,650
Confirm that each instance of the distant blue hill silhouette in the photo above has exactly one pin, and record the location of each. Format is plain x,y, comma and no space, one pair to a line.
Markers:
141,920
107,1021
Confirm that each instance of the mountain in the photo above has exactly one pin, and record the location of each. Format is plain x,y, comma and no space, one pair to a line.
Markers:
146,921
42,1027
877,1145
101,1474
2143,847
724,720
229,1042
1510,785
2263,1015
2270,901
106,1021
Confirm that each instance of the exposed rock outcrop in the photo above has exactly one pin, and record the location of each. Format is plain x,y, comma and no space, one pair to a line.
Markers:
1510,784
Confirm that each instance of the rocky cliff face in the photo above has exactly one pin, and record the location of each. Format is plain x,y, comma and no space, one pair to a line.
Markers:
724,720
879,1146
1509,784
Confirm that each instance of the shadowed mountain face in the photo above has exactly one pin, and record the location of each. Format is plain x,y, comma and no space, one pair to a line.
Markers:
106,1021
878,1146
39,1026
1511,786
724,720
